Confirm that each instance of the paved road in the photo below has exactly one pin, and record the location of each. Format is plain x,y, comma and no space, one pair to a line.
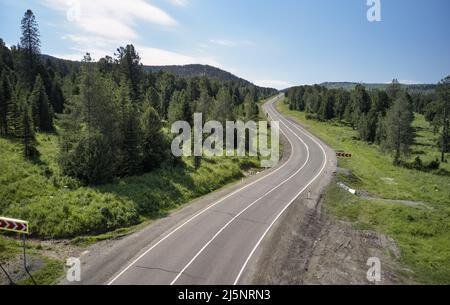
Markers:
216,244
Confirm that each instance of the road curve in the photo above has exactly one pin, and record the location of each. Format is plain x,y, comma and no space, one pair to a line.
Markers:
215,245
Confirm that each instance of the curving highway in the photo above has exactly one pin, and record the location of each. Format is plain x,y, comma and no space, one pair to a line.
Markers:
216,244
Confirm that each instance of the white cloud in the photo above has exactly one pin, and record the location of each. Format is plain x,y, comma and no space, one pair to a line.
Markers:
277,84
223,42
110,18
231,43
99,47
100,26
179,2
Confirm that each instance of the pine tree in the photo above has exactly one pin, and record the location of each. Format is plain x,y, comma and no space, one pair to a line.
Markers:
180,108
399,131
394,90
30,43
5,103
42,111
57,97
154,143
251,110
90,137
130,149
223,110
28,136
360,102
131,70
442,119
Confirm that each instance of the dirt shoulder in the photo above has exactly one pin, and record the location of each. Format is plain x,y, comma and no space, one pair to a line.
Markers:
310,247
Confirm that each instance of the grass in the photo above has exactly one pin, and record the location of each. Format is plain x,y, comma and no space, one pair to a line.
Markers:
374,171
422,232
58,207
49,273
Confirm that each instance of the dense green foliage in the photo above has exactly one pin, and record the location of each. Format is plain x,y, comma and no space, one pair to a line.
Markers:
112,115
420,229
383,117
84,146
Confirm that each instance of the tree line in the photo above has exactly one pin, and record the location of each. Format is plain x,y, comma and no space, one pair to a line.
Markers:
112,116
383,117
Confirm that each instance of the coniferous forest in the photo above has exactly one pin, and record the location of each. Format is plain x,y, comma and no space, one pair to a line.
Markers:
94,137
111,115
383,117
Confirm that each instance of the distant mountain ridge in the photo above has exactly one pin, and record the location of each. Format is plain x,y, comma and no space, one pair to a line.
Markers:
197,70
185,71
380,86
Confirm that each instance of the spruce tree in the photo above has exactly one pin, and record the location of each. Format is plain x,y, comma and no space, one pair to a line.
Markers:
42,111
154,143
57,97
130,149
399,131
5,103
30,44
442,119
28,135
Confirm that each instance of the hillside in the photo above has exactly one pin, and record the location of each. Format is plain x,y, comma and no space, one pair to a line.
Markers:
185,71
198,71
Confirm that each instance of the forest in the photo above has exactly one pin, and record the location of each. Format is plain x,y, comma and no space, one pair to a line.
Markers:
383,117
112,116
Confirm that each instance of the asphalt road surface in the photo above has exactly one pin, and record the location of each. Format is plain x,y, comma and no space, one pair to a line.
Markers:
215,245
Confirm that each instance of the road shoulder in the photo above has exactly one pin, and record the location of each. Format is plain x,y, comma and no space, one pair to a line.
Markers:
308,246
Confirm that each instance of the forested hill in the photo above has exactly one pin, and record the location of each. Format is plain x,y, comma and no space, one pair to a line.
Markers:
198,71
423,88
185,71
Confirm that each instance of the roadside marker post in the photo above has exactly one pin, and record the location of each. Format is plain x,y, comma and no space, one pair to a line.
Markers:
21,227
14,225
342,154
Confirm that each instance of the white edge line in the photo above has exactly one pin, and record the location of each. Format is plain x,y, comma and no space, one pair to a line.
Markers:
249,206
195,216
287,206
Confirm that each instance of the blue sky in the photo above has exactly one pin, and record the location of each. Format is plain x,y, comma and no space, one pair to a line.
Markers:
273,43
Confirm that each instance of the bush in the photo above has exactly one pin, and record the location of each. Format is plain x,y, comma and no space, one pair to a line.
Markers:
419,165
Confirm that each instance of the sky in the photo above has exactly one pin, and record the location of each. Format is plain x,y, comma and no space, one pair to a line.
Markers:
275,43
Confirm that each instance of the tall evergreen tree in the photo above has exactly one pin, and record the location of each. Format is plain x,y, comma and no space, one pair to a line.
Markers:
443,117
57,97
130,149
399,131
360,101
28,135
154,143
42,111
131,70
5,103
251,109
180,108
30,44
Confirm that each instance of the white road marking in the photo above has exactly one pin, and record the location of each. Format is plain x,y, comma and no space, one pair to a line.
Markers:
194,217
249,206
288,205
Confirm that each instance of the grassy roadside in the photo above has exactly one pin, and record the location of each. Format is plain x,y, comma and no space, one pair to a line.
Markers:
422,232
58,207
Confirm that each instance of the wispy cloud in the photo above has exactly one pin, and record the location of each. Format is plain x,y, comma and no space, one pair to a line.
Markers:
110,18
230,43
223,42
179,2
100,26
